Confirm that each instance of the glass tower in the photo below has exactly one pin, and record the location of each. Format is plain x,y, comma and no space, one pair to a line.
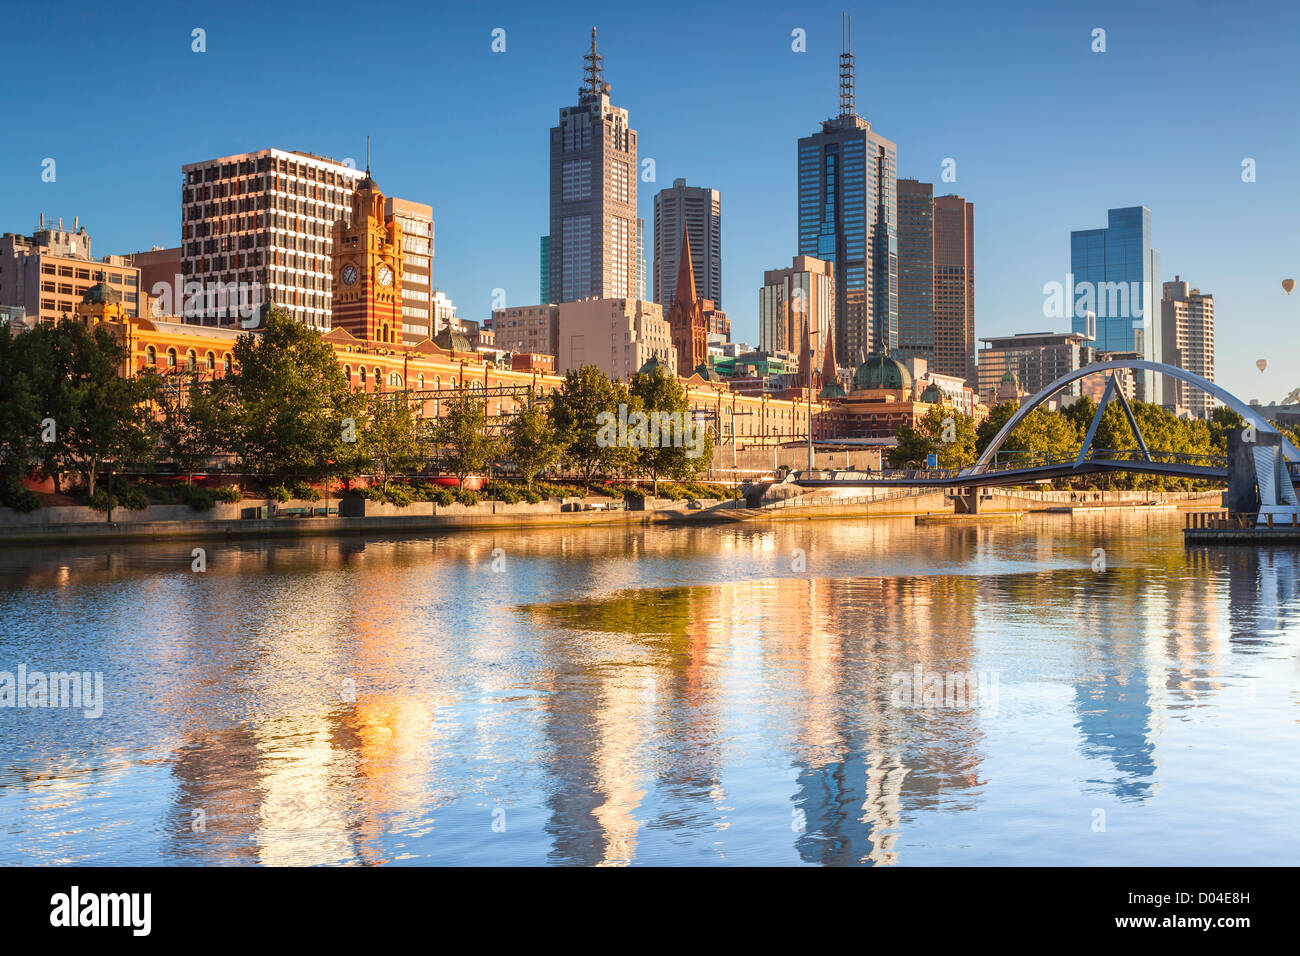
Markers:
1117,278
848,215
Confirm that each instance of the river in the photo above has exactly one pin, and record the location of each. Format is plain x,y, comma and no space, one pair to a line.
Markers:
1057,690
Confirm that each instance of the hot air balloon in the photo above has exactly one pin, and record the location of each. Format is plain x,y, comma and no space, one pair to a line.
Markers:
1288,284
1261,364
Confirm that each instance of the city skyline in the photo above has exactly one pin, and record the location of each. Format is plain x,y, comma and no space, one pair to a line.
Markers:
488,237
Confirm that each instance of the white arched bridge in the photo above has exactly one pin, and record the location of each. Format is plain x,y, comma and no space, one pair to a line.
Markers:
1026,469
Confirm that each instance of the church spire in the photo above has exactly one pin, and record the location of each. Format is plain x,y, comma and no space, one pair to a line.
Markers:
685,272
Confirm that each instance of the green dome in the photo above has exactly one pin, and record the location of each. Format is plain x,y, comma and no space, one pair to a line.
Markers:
831,391
933,395
707,372
651,364
101,293
450,341
881,371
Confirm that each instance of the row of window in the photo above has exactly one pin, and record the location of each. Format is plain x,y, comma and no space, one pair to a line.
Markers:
191,360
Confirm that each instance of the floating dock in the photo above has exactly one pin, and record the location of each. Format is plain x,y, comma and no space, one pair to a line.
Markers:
1224,527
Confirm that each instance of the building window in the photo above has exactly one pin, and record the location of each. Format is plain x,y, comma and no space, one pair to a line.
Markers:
211,362
171,358
150,356
225,362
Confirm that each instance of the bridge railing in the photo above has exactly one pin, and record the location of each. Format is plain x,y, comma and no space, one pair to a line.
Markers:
1018,462
1028,461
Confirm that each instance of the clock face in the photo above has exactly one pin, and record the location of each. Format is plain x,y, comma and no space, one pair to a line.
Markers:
349,275
384,275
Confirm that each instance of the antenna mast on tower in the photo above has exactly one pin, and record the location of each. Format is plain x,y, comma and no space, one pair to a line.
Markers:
846,66
595,70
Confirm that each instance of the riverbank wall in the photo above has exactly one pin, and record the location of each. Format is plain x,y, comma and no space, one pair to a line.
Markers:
74,524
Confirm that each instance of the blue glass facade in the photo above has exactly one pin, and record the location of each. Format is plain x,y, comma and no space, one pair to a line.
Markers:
848,215
1117,277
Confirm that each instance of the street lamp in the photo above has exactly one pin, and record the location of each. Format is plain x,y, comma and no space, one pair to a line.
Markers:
811,333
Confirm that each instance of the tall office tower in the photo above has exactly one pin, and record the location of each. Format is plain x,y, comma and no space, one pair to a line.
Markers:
640,259
954,288
44,275
1187,317
593,195
262,221
416,220
544,283
794,300
1116,274
367,268
848,214
915,270
699,212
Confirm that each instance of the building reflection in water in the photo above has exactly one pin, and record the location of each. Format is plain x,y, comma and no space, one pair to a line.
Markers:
355,702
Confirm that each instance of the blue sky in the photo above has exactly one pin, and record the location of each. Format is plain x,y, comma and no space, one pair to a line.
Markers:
1046,134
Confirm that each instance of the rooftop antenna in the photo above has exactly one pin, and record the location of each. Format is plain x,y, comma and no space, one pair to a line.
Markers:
594,69
846,66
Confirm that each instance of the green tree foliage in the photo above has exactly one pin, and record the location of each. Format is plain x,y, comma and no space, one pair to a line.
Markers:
988,429
20,423
657,391
194,421
1044,434
532,443
575,413
291,401
388,443
98,415
945,432
467,448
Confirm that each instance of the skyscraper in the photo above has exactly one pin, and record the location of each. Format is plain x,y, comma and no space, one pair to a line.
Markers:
1116,274
416,220
848,214
699,211
593,236
544,282
954,288
262,221
915,270
1187,317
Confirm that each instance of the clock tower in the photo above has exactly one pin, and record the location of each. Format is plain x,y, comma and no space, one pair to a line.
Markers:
367,269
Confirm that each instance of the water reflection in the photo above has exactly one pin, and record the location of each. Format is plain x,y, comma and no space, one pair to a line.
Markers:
664,696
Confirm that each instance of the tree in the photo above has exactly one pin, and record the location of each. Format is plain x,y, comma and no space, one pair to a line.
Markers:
194,422
668,455
575,414
20,425
1044,434
389,443
95,413
293,409
462,433
531,442
999,415
942,431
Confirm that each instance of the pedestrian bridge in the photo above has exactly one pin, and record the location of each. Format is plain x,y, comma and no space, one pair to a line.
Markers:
1018,468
